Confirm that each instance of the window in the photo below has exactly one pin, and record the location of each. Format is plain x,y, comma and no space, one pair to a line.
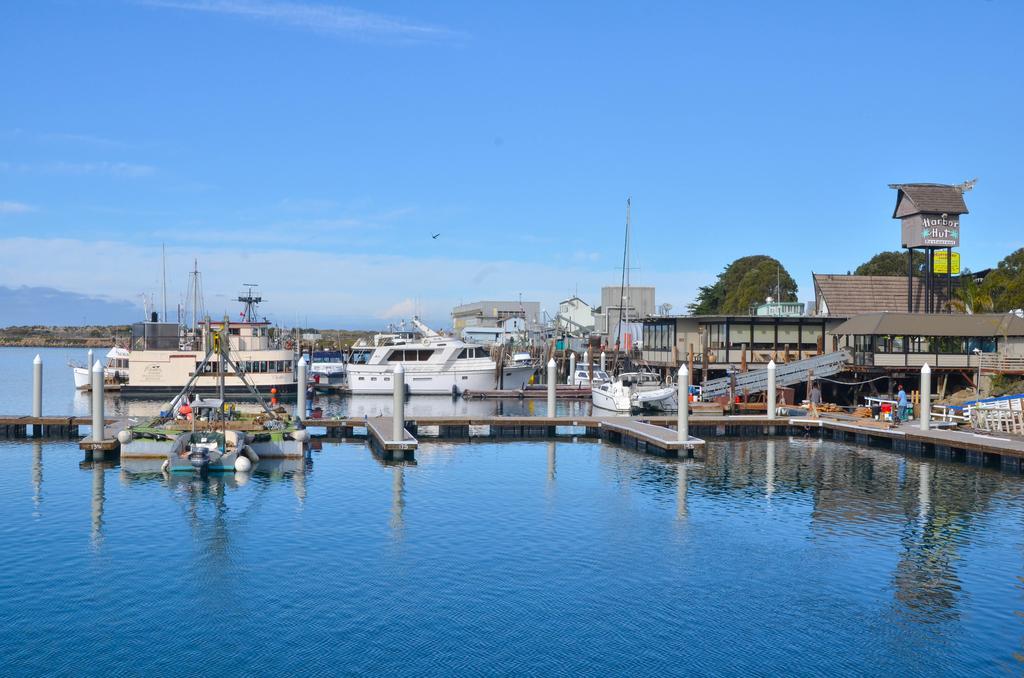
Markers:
739,335
764,336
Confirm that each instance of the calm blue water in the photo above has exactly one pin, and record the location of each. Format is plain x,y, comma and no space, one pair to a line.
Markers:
787,557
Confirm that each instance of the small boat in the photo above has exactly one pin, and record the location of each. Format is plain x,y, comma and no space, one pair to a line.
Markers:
635,392
114,372
328,365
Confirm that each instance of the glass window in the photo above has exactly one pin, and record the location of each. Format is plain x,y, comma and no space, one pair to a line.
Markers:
739,335
789,334
764,336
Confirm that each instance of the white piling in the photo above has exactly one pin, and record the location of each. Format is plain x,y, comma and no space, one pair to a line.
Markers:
926,397
97,402
603,362
398,413
552,377
300,388
772,391
683,425
37,388
571,379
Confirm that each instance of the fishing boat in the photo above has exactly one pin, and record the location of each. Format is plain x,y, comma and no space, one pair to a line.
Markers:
114,372
195,435
328,365
165,355
433,364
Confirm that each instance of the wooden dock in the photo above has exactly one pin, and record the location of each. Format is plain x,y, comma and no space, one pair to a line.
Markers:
380,433
649,437
42,427
647,433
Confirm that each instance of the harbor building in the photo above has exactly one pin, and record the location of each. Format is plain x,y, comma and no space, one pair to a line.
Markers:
631,304
575,316
493,313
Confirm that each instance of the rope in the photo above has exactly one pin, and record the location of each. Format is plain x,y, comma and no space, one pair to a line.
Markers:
848,383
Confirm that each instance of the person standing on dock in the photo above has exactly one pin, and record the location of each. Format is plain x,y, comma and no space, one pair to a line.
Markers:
815,398
901,405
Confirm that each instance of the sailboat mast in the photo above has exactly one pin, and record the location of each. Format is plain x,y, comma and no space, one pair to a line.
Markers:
624,284
163,264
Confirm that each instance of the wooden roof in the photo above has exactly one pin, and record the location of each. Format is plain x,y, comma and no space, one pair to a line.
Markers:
851,295
934,325
930,198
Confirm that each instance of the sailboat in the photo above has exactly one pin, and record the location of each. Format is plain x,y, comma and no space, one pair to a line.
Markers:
632,391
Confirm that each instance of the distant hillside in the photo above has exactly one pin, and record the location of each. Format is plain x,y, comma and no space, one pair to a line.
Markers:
47,306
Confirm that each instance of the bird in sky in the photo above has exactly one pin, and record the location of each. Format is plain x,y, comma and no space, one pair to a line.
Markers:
435,235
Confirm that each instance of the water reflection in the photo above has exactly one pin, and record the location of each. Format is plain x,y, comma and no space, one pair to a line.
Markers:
769,465
398,501
98,498
37,477
682,486
552,461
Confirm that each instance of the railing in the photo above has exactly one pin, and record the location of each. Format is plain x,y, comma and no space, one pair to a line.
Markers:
1003,416
998,362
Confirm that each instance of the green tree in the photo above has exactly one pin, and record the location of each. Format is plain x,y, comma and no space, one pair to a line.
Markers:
969,297
1005,284
891,263
744,283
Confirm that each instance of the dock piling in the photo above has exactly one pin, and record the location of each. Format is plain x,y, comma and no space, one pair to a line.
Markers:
603,359
926,397
398,415
572,368
300,400
683,426
772,390
552,384
37,392
97,402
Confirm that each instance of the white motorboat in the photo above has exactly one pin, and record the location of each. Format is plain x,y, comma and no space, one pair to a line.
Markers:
328,365
114,372
433,364
635,392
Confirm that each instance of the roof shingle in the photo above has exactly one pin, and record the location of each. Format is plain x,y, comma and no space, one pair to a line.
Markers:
851,295
931,198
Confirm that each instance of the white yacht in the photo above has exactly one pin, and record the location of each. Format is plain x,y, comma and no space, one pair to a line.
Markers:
114,372
635,392
433,364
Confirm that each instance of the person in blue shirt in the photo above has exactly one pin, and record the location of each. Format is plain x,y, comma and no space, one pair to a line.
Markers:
901,401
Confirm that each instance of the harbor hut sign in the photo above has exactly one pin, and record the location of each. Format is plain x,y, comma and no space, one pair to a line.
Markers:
929,214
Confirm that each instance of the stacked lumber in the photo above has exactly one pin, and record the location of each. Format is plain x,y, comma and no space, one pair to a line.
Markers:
863,412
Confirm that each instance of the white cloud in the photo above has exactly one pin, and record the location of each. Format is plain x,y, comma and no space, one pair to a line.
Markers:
403,309
336,288
321,18
11,207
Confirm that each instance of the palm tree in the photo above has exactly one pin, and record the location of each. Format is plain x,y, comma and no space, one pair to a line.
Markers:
969,297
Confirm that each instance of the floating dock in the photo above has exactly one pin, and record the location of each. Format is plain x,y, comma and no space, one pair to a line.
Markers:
379,431
43,427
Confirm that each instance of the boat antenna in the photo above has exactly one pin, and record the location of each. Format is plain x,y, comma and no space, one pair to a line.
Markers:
163,264
250,299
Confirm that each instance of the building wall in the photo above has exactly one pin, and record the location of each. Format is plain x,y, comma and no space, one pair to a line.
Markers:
639,303
492,313
578,312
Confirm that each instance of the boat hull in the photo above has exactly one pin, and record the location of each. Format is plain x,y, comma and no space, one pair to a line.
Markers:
613,401
236,391
377,380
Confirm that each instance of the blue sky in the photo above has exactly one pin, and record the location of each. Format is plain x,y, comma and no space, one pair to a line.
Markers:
315,147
